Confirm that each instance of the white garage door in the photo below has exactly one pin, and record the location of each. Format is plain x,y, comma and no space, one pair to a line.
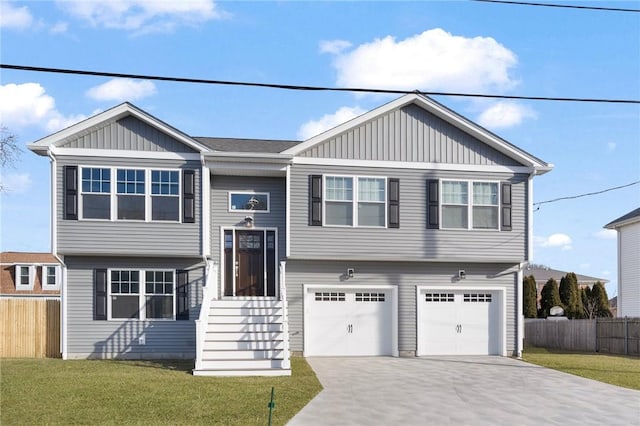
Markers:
349,321
460,322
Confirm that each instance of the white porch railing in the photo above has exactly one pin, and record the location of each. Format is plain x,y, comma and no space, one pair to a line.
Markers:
285,316
209,292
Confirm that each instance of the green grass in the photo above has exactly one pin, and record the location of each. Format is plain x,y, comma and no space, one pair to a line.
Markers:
613,369
52,391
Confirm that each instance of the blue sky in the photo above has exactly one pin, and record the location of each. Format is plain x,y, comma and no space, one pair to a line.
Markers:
452,46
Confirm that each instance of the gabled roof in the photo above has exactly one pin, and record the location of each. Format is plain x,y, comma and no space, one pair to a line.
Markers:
19,257
246,145
542,274
120,111
443,113
627,219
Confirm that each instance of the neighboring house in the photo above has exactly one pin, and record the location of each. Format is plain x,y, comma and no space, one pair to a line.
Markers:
404,231
628,227
29,275
542,274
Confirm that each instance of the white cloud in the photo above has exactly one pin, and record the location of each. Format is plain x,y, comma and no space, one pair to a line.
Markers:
563,241
328,121
143,16
611,146
28,104
334,46
14,17
432,60
505,114
15,182
606,234
59,28
122,89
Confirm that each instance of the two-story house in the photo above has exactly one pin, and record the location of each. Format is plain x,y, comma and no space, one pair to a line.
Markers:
404,231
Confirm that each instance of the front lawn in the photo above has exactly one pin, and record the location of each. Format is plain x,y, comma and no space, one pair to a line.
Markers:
613,369
52,391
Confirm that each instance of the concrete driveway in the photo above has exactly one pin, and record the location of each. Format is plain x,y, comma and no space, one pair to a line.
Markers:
460,391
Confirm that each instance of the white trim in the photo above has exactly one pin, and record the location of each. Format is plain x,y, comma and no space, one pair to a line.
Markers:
113,114
30,296
306,294
411,165
470,205
142,293
231,193
44,275
519,310
288,212
125,153
529,217
53,201
440,111
206,210
17,274
355,200
503,315
63,312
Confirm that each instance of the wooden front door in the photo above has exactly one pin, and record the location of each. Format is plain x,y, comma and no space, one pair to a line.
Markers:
249,263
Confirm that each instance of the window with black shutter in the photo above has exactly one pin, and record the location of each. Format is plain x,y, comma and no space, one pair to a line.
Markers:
505,201
182,295
100,294
188,197
394,203
70,192
315,200
433,216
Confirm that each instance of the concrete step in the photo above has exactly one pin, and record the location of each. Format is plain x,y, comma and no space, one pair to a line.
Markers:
243,345
241,364
245,372
238,354
246,303
244,328
245,311
245,319
250,336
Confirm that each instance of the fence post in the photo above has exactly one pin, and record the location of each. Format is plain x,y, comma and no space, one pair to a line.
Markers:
597,342
626,335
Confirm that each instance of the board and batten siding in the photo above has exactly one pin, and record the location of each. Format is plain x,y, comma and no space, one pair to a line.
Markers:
100,237
406,276
629,270
409,134
87,338
128,133
221,186
412,241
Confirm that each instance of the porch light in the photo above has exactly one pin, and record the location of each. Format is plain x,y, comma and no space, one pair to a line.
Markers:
350,272
248,222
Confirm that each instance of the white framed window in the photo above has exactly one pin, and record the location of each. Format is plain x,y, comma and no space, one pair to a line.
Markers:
141,294
131,194
24,277
355,201
470,204
50,278
253,202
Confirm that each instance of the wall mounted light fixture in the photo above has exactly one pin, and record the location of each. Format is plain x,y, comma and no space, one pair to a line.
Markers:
350,272
248,222
462,274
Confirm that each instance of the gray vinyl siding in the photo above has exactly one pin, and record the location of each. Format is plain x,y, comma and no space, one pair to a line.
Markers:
409,134
87,338
412,241
128,133
136,238
406,276
222,217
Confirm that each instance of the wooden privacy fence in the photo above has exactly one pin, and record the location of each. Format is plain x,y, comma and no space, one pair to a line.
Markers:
610,335
30,328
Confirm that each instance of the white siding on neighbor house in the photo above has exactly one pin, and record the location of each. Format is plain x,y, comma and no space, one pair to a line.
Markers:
405,275
87,338
128,133
409,134
118,237
412,241
629,270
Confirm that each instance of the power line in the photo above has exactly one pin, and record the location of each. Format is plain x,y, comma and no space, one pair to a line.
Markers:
307,88
566,6
571,197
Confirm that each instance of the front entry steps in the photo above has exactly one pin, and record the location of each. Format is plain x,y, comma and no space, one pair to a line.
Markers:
244,338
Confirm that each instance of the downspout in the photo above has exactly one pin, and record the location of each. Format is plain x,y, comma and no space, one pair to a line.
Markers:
54,251
519,309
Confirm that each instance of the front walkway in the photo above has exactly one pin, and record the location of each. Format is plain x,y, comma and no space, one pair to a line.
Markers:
460,391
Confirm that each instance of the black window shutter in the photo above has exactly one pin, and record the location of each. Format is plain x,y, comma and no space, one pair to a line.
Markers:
315,200
506,206
70,192
188,196
100,294
433,208
393,188
182,295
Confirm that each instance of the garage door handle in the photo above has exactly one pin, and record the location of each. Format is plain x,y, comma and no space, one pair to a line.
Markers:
350,328
459,328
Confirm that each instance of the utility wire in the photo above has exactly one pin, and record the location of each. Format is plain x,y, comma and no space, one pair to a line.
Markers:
571,197
307,88
567,6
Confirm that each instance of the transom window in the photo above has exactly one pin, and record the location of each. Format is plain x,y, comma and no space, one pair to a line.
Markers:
470,205
249,202
355,201
140,294
136,194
